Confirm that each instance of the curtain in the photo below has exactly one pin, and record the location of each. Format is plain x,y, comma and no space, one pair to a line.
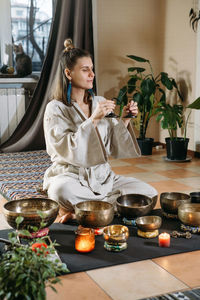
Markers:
72,19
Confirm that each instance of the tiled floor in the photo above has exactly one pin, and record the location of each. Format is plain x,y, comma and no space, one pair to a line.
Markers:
145,278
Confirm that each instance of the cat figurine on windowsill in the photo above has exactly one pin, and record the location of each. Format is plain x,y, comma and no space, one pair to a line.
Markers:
23,63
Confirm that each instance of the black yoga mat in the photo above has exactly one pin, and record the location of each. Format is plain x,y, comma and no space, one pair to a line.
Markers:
138,248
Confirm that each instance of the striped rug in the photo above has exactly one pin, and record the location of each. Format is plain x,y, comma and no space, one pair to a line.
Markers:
21,174
193,294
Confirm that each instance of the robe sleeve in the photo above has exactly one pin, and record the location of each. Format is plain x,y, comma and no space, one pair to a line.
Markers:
123,143
66,143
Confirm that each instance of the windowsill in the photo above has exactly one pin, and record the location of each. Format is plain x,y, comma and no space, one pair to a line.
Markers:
34,77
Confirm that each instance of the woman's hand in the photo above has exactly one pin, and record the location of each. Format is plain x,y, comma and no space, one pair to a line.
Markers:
103,108
132,108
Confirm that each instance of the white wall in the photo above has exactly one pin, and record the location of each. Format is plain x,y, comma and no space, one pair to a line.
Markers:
154,29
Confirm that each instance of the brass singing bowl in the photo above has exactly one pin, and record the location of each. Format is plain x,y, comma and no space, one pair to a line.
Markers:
170,201
148,223
134,205
28,209
189,214
94,213
116,234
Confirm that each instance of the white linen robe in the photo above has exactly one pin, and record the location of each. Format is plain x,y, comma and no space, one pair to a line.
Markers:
79,153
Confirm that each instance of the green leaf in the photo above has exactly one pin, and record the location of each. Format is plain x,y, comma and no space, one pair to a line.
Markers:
166,81
19,220
41,214
137,58
24,232
148,87
132,84
195,104
138,69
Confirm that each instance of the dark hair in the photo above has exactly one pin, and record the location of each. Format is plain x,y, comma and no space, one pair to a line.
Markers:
68,59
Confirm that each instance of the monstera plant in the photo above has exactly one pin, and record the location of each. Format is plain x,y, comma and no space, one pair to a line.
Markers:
147,89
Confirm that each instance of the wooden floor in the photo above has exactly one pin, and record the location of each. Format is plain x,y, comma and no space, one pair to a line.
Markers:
145,278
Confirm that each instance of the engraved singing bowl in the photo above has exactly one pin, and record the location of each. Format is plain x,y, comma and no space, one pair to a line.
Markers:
28,209
94,213
115,234
170,201
189,214
134,205
148,223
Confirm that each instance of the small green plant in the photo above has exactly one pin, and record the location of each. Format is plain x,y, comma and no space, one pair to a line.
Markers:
27,269
172,116
146,89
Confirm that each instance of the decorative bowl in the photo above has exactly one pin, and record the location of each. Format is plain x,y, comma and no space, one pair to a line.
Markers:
189,214
134,205
195,197
94,213
116,234
170,201
28,209
148,223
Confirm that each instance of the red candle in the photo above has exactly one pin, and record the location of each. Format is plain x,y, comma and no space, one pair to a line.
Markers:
164,239
85,239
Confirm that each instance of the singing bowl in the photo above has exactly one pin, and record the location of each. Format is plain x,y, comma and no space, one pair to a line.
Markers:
148,223
134,205
195,197
116,234
28,209
94,213
189,214
170,201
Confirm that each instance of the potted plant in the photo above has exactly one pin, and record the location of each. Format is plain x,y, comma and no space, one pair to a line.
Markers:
146,89
172,117
27,268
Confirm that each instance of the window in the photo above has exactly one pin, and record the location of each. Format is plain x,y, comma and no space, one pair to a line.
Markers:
28,17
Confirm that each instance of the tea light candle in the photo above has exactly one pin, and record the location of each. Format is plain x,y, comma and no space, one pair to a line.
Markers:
85,239
164,239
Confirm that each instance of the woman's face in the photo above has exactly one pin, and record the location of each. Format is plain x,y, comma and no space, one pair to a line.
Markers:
82,74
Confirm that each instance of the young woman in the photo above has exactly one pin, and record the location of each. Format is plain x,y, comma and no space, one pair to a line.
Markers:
79,139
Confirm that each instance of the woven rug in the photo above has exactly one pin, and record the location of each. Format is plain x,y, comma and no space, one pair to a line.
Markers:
193,294
21,174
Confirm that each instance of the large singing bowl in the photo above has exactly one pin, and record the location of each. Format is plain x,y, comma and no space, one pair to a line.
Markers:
28,209
94,213
189,214
170,201
134,205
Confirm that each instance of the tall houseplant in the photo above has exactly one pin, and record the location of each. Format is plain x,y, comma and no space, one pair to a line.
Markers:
172,118
147,89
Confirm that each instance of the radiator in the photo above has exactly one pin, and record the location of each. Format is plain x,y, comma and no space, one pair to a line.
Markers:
12,109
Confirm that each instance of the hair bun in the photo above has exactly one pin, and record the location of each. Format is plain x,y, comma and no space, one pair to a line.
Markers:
68,45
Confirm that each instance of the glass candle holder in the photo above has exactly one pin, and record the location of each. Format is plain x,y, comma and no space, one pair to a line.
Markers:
85,239
164,239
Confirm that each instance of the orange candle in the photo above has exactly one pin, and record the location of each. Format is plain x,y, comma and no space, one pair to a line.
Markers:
85,239
164,239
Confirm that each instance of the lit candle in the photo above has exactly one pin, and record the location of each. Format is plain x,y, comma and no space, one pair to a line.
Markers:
85,239
164,239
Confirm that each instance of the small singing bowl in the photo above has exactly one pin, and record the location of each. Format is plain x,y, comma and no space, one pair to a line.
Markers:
28,209
134,205
170,201
115,234
148,223
189,214
94,213
195,197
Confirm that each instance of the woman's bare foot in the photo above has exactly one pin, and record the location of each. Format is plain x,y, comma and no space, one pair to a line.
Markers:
64,218
65,215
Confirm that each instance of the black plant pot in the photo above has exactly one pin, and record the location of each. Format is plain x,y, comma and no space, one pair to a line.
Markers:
146,145
177,148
